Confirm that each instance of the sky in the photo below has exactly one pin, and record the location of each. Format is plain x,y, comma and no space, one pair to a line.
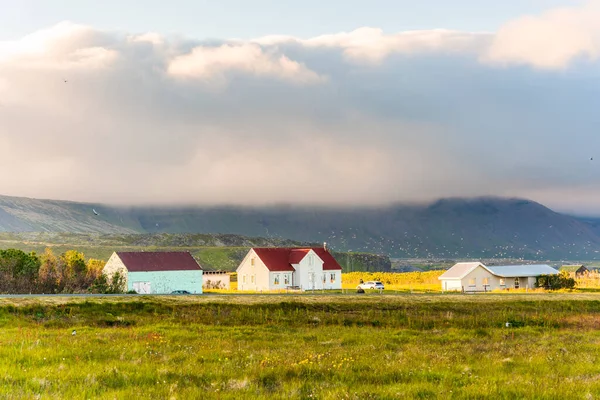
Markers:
260,102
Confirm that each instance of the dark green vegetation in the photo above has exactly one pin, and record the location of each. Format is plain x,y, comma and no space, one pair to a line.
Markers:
298,347
451,228
70,272
556,282
222,252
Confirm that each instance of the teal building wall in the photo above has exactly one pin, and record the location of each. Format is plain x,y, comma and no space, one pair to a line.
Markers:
164,282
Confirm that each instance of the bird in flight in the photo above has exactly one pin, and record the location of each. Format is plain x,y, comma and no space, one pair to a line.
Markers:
94,211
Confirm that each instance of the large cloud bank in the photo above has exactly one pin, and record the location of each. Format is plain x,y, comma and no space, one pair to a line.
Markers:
363,117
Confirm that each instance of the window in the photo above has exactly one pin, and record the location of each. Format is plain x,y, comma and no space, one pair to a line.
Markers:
243,278
324,277
310,260
251,278
332,278
252,261
502,283
276,281
516,283
486,281
286,279
472,282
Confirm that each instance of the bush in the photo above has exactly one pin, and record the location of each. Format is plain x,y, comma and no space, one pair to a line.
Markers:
555,282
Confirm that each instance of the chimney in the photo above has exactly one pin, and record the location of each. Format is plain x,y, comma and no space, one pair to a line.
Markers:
325,246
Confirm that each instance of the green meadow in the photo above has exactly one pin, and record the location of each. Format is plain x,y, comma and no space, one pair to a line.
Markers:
301,347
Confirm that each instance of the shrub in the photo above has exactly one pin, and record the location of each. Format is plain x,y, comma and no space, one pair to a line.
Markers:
555,282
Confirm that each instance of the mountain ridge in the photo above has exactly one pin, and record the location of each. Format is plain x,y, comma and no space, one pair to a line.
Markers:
450,227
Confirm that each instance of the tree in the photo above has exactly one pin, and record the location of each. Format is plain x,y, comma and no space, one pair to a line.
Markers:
18,271
49,275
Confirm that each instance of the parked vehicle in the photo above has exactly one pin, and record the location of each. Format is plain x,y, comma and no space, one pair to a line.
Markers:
371,285
180,292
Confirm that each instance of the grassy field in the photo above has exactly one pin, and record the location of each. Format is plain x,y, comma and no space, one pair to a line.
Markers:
301,347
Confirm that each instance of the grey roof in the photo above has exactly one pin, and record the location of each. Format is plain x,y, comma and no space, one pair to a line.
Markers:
517,271
459,270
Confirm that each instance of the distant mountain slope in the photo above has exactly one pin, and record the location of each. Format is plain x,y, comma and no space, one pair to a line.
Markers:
214,251
453,228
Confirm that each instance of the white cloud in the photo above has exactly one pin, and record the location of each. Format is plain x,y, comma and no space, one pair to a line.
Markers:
213,62
372,45
552,40
294,120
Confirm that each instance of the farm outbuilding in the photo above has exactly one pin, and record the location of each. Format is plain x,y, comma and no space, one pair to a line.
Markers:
216,280
159,272
476,277
312,268
574,270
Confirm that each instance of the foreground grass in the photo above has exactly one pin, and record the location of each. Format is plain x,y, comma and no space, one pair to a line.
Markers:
326,347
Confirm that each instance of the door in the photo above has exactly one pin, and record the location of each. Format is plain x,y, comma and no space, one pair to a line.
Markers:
142,287
311,280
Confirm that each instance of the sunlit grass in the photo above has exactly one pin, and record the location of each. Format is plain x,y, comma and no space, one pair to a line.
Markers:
298,347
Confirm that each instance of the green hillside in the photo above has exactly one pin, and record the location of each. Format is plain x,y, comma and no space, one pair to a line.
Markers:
216,252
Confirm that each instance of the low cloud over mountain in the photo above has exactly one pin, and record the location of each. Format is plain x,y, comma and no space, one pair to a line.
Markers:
361,117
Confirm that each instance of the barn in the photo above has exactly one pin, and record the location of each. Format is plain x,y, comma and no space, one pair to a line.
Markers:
574,270
160,272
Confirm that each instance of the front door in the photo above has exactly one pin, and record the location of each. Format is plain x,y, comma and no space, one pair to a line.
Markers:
311,280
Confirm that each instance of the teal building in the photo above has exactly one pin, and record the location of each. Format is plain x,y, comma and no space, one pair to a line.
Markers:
161,272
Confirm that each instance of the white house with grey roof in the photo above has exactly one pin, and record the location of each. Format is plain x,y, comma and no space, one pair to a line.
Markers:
476,277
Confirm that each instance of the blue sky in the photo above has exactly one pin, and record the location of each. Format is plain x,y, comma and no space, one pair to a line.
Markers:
313,102
252,18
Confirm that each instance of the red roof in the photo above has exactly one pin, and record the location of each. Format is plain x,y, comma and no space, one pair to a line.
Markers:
281,258
139,261
296,255
276,259
329,263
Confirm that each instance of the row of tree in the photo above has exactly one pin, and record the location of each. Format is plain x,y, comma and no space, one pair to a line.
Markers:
69,272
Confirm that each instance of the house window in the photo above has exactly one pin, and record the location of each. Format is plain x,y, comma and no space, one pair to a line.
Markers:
243,278
276,281
516,283
252,262
310,260
486,281
286,279
332,278
472,282
251,278
324,278
502,283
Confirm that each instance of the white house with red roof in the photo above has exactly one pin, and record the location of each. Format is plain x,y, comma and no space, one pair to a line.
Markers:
311,268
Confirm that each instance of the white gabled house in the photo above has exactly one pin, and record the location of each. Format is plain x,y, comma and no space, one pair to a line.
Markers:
476,277
280,268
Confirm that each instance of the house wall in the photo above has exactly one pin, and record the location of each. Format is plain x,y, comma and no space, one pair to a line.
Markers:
451,285
222,280
337,279
253,277
113,265
309,274
164,282
281,275
479,274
